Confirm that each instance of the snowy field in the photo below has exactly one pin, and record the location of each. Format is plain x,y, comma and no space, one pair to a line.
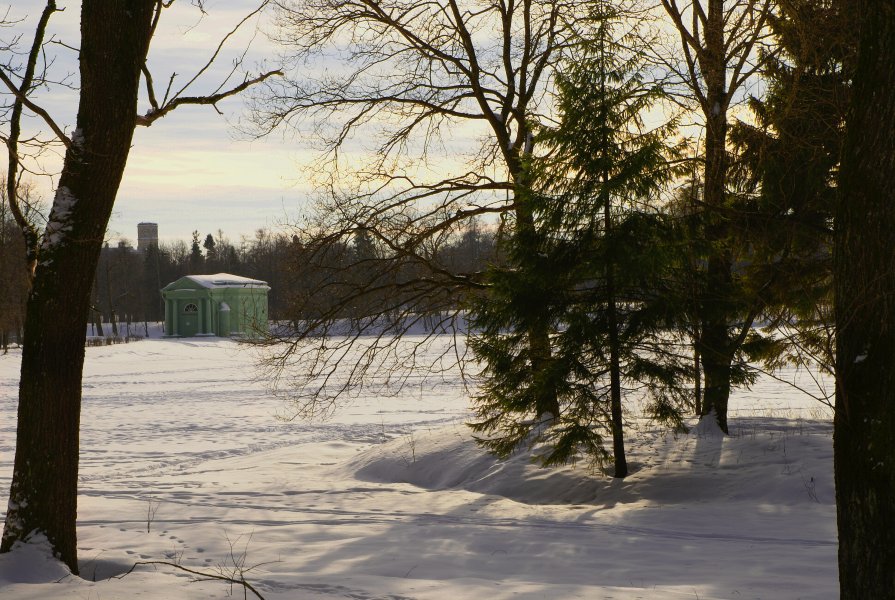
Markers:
184,460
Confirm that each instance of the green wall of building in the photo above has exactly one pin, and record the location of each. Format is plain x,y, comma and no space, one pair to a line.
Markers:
221,305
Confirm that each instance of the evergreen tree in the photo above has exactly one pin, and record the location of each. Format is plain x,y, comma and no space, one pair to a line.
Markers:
594,264
364,275
196,259
209,245
792,155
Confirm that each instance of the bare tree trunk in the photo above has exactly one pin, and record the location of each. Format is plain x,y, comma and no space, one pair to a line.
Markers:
540,353
714,341
713,344
864,272
697,381
96,313
43,494
98,323
113,318
720,40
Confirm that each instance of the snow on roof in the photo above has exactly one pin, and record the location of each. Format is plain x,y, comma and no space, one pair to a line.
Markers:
226,280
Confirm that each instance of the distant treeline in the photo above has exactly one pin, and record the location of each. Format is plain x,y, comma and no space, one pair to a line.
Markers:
128,283
13,278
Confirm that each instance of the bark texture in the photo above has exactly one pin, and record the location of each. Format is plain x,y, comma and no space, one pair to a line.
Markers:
714,343
864,264
43,494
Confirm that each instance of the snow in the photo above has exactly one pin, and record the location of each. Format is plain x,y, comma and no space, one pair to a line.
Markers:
32,563
60,217
184,460
77,138
226,280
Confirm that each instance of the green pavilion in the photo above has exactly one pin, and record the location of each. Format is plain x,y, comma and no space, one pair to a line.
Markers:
221,305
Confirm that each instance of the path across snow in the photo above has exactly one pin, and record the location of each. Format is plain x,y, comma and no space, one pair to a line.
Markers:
391,500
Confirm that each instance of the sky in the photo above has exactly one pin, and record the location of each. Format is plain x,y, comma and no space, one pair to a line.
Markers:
193,169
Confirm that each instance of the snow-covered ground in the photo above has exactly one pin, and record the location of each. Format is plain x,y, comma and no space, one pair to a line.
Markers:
184,460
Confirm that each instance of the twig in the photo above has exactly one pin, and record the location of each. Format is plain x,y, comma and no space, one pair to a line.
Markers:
241,581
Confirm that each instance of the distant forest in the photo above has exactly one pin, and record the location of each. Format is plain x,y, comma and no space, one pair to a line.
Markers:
127,287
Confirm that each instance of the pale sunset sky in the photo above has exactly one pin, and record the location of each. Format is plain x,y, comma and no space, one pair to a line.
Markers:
193,169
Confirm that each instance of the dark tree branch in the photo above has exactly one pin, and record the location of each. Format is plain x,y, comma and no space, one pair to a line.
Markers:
155,114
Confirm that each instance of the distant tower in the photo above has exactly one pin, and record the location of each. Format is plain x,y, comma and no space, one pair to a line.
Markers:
147,235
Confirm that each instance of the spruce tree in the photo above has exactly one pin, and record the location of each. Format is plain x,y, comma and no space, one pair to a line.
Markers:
594,264
197,261
790,155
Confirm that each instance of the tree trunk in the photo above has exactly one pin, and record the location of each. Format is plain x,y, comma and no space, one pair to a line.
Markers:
697,381
864,272
615,383
540,352
113,318
715,349
43,494
714,341
615,380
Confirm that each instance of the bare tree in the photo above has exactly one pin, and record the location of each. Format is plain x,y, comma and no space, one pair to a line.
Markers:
115,39
13,276
719,41
416,82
